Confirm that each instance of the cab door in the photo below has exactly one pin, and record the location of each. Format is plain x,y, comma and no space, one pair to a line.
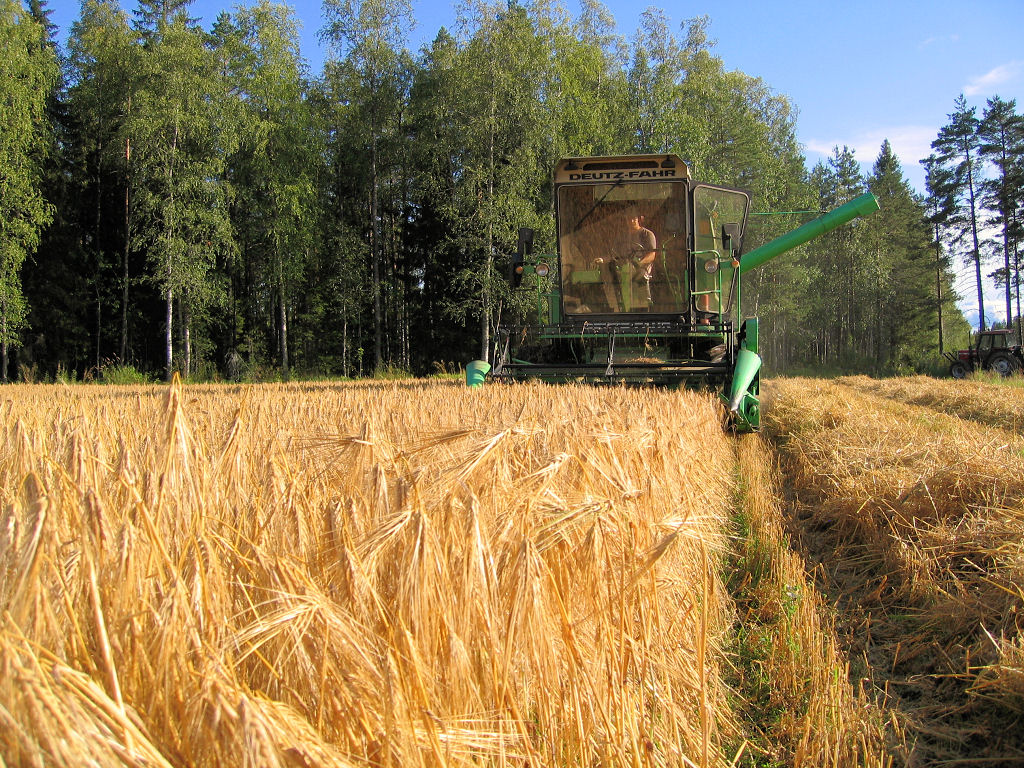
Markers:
719,223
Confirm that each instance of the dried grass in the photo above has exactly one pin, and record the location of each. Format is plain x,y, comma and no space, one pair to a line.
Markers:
917,520
820,720
393,574
975,399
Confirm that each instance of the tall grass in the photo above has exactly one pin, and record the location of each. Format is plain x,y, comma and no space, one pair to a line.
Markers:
393,574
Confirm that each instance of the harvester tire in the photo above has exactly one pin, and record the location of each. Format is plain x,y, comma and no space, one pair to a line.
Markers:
1004,364
959,370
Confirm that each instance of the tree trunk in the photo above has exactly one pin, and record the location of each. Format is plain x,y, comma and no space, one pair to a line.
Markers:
485,315
3,341
378,318
124,272
974,234
170,274
1017,285
186,327
1009,274
282,317
344,341
99,320
938,285
99,252
169,336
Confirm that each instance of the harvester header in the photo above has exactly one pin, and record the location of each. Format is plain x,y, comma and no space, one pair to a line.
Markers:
645,285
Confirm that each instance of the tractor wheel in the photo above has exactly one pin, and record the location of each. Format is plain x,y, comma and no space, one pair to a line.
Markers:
959,370
1002,363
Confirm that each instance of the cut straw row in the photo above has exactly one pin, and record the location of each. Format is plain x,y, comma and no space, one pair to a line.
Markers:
916,519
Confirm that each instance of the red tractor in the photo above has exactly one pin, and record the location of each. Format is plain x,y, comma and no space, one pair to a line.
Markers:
993,351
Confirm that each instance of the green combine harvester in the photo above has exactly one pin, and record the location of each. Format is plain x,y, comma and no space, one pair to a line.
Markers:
645,287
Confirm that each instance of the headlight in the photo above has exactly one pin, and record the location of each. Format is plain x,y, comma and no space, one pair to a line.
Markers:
541,270
711,266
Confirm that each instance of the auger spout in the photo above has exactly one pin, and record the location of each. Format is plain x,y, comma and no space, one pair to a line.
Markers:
864,205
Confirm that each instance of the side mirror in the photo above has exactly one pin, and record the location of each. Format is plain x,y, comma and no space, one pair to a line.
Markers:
731,235
523,249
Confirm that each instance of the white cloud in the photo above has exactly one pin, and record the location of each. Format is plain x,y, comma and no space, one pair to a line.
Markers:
988,83
936,40
911,143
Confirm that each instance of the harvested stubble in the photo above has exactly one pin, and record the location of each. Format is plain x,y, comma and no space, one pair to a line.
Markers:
917,519
397,574
814,717
974,399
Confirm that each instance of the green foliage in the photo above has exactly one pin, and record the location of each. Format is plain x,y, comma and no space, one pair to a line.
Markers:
28,73
119,373
391,372
223,212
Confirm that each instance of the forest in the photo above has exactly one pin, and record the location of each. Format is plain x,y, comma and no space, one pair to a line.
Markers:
180,199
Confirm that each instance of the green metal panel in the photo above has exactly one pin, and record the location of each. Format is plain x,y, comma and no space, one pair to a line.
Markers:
749,332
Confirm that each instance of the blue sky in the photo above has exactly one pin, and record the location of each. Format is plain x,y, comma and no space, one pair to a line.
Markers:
856,72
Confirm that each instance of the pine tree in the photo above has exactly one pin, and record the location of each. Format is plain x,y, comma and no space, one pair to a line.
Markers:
957,148
940,206
1001,132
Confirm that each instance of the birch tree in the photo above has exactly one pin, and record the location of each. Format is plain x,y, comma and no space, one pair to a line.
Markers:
28,73
182,211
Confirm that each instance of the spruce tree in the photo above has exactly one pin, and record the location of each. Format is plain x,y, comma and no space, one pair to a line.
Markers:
150,15
104,60
895,242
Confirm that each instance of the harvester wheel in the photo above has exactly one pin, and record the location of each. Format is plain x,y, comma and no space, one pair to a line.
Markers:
959,370
1002,363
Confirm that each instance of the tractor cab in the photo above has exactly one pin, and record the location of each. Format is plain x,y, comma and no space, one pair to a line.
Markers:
994,350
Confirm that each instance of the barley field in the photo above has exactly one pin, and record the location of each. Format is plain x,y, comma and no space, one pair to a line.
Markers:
385,574
419,574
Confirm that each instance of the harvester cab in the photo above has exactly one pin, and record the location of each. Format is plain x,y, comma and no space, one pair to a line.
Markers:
645,285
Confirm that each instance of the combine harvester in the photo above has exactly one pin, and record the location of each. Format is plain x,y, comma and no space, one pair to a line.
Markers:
645,287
